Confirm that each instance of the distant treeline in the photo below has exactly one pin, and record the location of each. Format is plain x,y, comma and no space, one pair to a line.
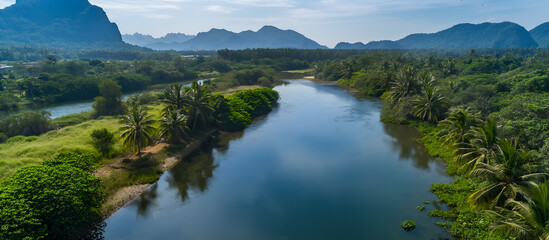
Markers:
332,54
128,52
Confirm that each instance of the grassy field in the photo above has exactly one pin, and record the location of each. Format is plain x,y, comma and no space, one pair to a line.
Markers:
21,151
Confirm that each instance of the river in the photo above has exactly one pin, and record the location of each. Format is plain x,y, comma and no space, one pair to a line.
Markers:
320,166
64,109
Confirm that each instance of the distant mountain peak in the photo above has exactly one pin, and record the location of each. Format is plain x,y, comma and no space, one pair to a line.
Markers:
56,21
541,34
460,36
215,39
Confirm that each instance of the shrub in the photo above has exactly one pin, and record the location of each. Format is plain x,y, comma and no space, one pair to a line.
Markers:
26,124
3,137
103,141
110,103
50,201
408,225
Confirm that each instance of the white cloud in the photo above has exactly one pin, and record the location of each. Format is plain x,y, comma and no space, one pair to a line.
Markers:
217,8
4,3
137,5
263,3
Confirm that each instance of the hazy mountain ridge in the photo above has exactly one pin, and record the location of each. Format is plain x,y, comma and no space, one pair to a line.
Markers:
461,36
50,22
162,43
541,34
266,37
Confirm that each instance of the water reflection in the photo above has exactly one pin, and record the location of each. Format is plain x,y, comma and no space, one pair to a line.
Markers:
194,173
403,142
146,200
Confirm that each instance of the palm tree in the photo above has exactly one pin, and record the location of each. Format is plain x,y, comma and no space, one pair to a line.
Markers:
197,102
137,129
404,85
174,97
526,220
481,149
429,105
459,125
506,177
173,126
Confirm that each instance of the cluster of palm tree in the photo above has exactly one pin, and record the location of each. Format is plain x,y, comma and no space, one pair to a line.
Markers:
513,189
420,88
187,108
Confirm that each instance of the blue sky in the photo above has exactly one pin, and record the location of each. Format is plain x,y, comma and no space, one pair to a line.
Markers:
325,21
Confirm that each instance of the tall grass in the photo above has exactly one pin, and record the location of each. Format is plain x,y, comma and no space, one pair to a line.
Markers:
22,151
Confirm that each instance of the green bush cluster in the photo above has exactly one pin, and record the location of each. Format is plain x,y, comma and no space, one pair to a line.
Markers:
238,110
56,200
26,124
408,225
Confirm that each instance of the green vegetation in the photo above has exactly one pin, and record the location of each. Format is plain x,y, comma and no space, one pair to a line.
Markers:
56,200
110,103
103,141
137,131
237,111
408,225
22,151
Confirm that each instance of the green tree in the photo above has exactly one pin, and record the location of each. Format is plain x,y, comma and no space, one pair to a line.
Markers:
173,126
481,149
405,85
138,129
506,177
110,103
459,126
429,105
527,220
197,102
174,97
103,141
49,202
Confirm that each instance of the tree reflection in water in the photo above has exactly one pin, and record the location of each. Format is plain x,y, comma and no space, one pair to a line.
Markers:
146,200
404,143
193,173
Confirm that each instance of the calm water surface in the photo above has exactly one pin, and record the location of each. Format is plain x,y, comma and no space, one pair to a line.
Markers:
64,109
320,166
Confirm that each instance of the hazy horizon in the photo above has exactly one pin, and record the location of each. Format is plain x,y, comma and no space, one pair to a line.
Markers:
326,22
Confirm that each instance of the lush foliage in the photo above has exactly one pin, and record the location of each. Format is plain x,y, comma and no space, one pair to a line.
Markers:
408,225
25,124
110,103
237,111
56,200
103,141
137,131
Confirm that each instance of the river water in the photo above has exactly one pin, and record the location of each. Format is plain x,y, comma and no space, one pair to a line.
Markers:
320,166
64,109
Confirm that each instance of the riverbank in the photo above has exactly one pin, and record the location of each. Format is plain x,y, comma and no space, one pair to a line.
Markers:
123,196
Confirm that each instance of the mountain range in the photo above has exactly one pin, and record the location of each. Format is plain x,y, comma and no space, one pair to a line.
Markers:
81,24
541,35
216,39
462,36
162,43
56,22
